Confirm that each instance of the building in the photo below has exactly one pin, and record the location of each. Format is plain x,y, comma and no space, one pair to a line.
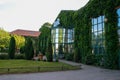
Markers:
97,32
62,40
26,33
34,35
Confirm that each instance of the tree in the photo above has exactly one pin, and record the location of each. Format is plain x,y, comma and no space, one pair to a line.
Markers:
49,51
20,41
43,38
4,39
29,51
12,47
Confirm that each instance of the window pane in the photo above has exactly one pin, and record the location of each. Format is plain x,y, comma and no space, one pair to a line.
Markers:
95,28
119,32
99,35
57,30
56,40
118,22
99,19
92,28
63,31
95,20
103,18
99,27
103,24
56,35
118,12
92,21
95,35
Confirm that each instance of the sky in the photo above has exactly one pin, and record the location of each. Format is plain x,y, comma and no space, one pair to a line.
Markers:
32,14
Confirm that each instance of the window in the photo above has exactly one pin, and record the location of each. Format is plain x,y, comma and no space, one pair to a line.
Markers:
118,12
98,35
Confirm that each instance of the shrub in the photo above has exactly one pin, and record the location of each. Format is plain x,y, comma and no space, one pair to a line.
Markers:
22,49
77,56
19,56
12,46
69,56
49,51
90,59
29,51
99,60
3,56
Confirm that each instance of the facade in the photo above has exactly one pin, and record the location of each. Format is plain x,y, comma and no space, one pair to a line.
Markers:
62,40
96,32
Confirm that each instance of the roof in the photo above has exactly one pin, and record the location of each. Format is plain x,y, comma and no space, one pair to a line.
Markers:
26,33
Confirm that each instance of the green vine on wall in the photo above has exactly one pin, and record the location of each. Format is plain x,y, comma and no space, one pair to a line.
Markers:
81,20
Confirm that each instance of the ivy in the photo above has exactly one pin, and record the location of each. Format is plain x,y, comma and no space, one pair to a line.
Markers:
81,19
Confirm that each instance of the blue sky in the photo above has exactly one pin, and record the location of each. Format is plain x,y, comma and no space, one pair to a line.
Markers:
31,14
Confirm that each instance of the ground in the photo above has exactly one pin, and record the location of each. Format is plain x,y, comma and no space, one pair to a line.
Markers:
86,73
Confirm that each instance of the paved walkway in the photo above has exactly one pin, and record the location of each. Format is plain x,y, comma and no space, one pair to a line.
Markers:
86,73
69,62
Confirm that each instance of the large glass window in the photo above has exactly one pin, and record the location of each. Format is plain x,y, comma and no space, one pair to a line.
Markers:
98,35
61,35
118,12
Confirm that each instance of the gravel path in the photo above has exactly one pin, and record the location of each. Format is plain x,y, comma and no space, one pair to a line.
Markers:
86,73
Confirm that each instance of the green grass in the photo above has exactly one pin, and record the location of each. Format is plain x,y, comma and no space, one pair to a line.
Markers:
32,66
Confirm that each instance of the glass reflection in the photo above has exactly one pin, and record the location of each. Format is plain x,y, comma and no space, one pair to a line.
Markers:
98,34
99,27
99,19
95,27
118,22
95,20
118,12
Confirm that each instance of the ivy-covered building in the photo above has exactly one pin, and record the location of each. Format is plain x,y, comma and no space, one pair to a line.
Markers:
96,32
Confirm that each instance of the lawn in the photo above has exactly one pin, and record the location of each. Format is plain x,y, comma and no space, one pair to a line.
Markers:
25,66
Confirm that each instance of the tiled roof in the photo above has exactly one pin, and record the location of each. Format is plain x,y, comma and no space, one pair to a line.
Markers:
26,33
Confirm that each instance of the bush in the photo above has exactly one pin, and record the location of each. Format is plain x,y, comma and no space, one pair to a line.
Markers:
19,56
12,46
22,49
3,50
90,59
99,61
3,56
29,51
69,56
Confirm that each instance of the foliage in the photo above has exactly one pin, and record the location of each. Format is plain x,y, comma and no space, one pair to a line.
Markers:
29,51
43,38
4,39
81,19
77,55
12,48
4,56
20,41
99,60
69,56
22,49
90,59
49,50
19,56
